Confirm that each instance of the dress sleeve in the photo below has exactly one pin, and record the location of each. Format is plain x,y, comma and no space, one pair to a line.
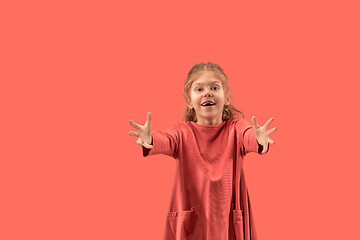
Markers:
164,142
249,142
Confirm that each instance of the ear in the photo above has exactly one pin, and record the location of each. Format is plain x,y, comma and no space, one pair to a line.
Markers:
227,100
189,103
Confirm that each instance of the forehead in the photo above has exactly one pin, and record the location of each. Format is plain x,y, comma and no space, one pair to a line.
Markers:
207,77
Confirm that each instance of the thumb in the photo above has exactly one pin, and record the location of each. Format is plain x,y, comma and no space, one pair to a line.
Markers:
147,145
265,148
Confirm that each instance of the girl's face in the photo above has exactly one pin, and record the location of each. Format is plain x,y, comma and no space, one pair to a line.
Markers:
208,98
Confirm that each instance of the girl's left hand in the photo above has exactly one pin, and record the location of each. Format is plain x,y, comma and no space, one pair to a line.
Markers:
262,134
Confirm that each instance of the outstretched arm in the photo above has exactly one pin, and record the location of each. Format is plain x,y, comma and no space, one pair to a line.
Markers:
143,133
262,134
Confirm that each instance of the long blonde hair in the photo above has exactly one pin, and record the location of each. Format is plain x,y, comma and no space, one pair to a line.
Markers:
229,111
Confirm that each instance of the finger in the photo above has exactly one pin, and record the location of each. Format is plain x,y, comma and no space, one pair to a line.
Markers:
140,142
271,131
270,140
135,125
136,134
265,148
255,123
147,145
266,125
148,120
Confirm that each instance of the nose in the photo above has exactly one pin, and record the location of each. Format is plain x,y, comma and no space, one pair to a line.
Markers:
208,93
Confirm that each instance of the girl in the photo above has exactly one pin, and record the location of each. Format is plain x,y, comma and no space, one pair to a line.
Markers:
210,198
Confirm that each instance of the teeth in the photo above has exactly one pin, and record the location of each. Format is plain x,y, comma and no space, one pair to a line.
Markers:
207,104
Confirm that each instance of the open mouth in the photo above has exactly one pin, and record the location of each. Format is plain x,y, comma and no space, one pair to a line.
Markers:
208,104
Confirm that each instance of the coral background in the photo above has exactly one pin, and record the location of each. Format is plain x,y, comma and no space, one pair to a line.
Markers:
74,72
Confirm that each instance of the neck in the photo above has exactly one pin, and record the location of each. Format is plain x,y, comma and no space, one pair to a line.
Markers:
209,121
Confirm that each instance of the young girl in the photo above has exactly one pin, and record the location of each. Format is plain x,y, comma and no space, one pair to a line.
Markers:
210,198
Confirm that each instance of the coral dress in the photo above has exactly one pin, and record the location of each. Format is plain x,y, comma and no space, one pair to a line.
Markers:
210,200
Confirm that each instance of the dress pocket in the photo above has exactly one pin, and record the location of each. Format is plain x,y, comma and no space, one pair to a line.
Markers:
238,224
184,225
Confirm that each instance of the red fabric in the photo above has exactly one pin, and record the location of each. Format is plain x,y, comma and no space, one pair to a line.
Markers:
203,200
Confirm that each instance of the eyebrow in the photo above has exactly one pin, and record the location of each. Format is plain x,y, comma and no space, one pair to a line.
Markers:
217,81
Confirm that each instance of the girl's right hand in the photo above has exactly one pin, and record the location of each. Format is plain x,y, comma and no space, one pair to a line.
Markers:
143,133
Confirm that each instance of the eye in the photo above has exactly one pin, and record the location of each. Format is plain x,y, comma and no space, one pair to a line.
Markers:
216,87
198,89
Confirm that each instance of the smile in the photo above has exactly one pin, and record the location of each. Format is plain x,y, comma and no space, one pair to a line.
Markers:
208,105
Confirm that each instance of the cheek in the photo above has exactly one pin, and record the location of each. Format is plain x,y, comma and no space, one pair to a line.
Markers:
195,98
221,97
